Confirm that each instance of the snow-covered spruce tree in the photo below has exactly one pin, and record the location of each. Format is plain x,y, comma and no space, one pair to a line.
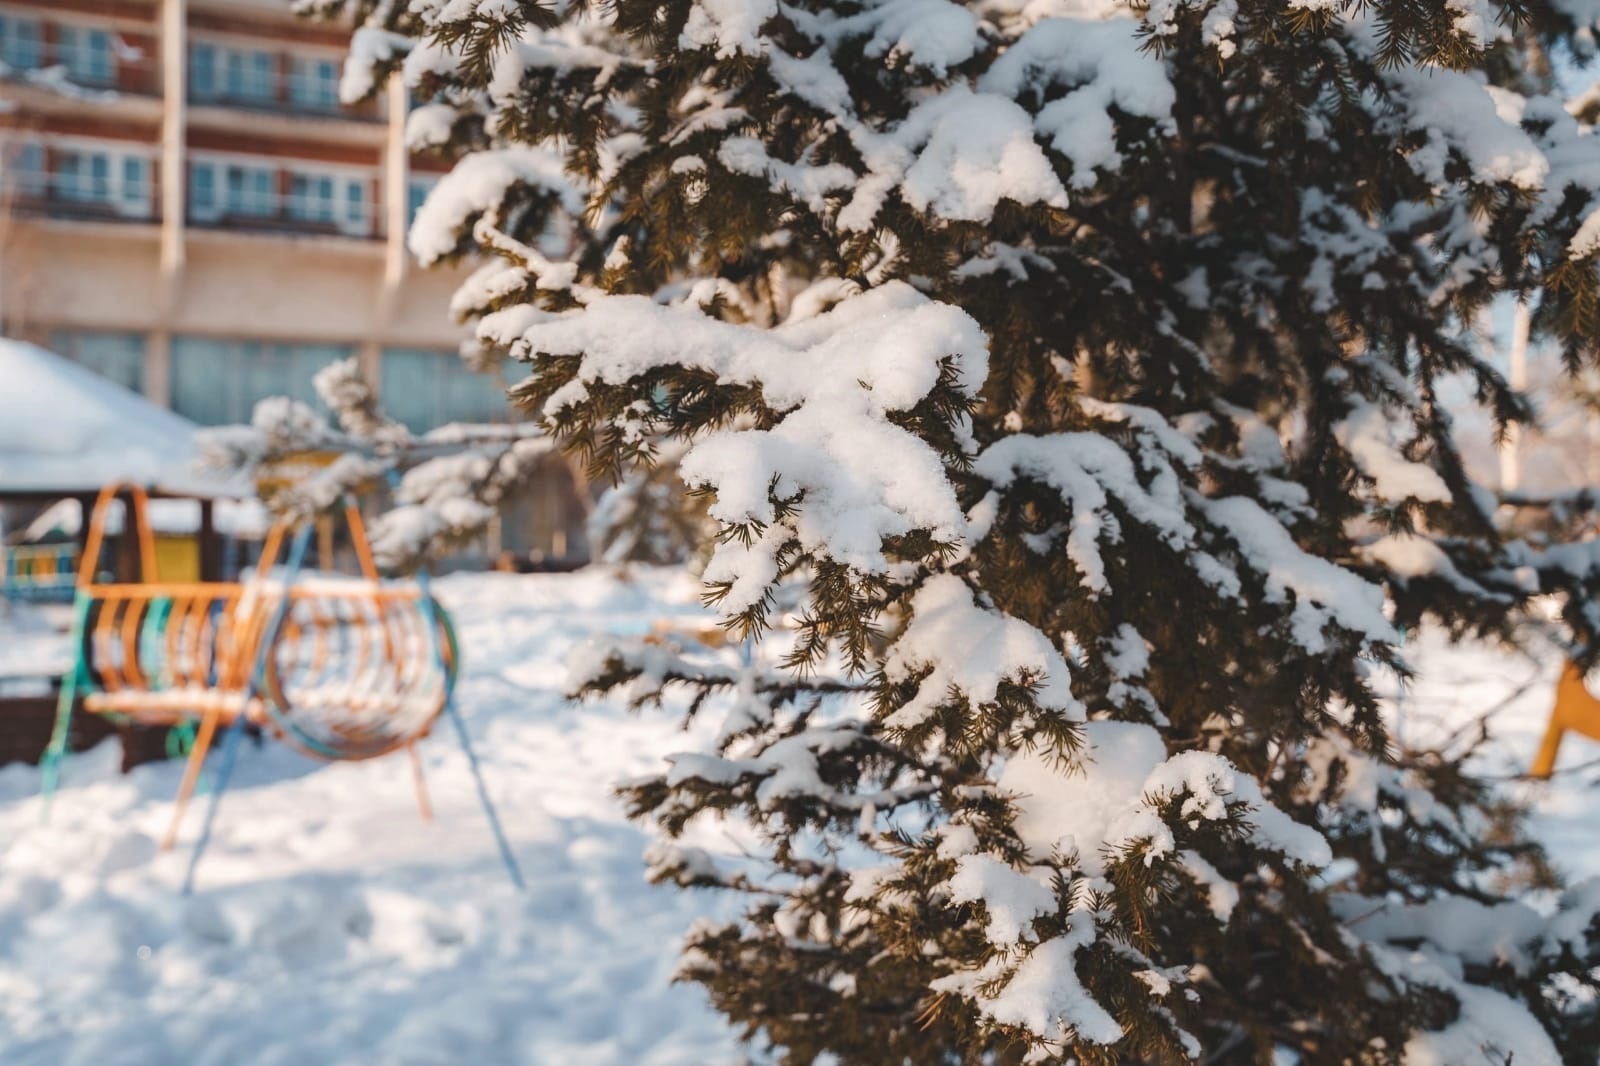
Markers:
1082,366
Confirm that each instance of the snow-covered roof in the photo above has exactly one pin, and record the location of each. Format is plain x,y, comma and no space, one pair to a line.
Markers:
241,518
64,428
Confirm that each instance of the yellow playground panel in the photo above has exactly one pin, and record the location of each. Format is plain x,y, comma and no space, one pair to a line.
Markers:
1575,710
338,667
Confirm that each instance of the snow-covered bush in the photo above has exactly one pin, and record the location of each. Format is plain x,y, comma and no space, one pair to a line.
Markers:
1081,363
443,486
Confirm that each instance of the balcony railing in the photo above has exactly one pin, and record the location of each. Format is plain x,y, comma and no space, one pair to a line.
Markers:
296,213
67,69
246,221
281,103
78,197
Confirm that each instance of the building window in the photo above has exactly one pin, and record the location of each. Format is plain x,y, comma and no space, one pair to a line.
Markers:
102,178
202,72
87,54
426,389
83,177
217,72
117,356
250,192
203,204
21,42
323,198
248,76
22,169
314,84
219,382
355,207
417,190
242,190
311,197
133,197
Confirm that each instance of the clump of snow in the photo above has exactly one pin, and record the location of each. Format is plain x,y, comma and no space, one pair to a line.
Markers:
1064,811
369,47
1368,435
479,185
1323,592
429,126
1044,995
1207,784
1011,898
1112,802
968,649
1491,1027
1479,121
956,155
729,27
1407,557
1104,65
932,34
1090,470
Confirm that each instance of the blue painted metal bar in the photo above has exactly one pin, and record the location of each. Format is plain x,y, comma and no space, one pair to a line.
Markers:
235,735
76,677
430,614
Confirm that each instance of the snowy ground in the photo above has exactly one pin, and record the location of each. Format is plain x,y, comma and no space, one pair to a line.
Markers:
331,927
1459,686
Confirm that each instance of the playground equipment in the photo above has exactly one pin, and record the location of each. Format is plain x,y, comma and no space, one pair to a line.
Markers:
1576,710
340,668
39,573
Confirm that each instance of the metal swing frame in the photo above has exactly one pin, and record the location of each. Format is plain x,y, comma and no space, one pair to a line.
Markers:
375,662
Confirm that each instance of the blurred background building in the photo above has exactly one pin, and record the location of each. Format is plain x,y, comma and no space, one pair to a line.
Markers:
188,210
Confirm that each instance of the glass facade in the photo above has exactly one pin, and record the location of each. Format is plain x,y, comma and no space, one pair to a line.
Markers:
118,356
218,382
424,389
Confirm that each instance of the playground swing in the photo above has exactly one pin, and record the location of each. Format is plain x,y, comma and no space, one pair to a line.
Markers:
340,668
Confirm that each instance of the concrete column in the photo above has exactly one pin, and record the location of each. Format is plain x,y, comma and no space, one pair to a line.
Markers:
174,121
158,367
396,204
392,196
369,356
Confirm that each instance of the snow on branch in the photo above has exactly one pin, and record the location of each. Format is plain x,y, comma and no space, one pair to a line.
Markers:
835,474
952,645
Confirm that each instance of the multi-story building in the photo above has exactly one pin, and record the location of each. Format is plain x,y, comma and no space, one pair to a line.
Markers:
186,207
